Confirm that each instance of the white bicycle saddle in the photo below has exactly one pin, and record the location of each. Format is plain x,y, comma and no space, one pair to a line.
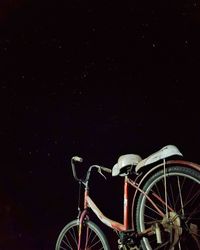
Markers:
125,161
130,160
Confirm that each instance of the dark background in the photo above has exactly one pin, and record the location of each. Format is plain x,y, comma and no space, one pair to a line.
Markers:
96,79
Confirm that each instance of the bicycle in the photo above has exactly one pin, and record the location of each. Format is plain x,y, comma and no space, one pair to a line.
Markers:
165,210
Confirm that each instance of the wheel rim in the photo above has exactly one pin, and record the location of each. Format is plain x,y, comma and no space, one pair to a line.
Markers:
183,196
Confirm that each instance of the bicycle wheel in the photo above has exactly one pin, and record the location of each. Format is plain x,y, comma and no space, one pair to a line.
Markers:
92,237
179,226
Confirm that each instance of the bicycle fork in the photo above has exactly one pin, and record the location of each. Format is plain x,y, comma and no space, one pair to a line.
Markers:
80,230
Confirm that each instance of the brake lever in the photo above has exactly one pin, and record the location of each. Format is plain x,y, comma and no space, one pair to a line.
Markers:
99,171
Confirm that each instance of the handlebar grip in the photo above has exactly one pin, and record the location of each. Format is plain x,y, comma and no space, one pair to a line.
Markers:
108,170
77,158
73,160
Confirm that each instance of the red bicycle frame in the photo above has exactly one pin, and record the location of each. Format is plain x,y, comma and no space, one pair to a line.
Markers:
88,202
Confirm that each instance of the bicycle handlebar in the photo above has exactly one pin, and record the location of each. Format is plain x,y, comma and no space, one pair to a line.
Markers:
79,159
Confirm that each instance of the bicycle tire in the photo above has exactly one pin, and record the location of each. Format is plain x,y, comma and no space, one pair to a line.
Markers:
183,187
68,237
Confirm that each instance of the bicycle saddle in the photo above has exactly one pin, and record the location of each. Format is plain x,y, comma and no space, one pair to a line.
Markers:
126,162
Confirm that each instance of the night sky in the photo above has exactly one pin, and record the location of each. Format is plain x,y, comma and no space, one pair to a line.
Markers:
91,78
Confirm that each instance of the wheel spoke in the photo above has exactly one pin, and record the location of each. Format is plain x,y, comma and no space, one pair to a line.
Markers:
73,235
67,242
159,194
